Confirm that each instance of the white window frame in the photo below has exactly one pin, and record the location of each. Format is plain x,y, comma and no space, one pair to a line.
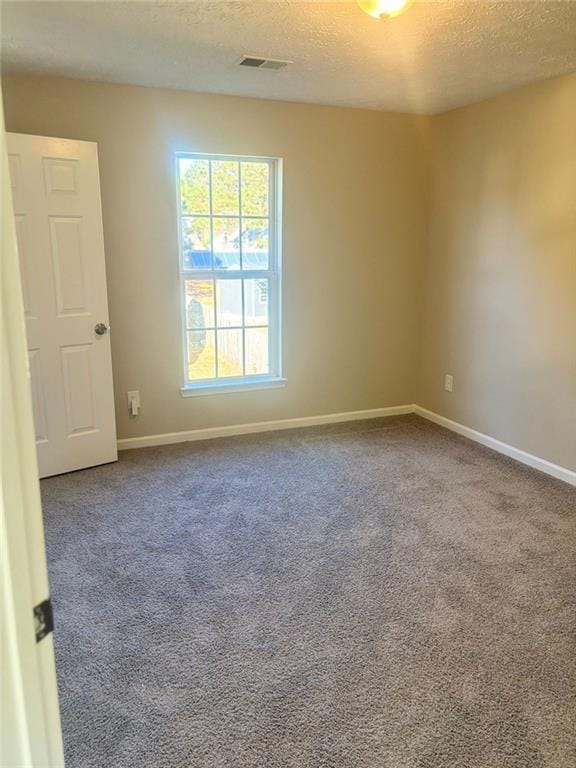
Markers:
273,274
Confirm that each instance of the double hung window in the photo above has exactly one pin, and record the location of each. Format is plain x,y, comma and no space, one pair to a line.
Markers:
229,270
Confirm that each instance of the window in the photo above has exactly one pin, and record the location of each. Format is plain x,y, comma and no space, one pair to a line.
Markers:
230,271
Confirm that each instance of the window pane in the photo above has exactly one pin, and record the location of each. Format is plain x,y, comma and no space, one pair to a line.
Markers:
226,243
194,186
255,243
225,187
230,353
226,206
196,243
256,351
229,303
254,189
256,302
201,355
199,304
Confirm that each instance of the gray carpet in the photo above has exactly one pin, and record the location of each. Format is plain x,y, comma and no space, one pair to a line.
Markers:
382,594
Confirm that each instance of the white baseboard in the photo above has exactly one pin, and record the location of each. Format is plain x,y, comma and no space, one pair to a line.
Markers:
147,441
561,473
260,426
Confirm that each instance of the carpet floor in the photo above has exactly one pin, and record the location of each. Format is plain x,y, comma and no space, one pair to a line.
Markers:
382,594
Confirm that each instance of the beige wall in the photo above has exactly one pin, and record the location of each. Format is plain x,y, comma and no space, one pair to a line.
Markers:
500,304
354,216
405,258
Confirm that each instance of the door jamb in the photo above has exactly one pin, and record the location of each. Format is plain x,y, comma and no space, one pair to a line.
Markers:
31,730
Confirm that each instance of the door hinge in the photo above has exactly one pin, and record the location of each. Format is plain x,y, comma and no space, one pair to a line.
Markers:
43,619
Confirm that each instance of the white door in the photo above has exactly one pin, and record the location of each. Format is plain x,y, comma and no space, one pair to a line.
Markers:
56,196
30,728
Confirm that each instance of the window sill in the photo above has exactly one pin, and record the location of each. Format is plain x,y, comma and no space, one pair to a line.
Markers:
197,390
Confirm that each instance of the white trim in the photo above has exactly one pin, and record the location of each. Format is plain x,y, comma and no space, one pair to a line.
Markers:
238,385
260,426
555,470
30,725
560,473
273,273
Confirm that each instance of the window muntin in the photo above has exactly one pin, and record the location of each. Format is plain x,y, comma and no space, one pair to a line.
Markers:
229,265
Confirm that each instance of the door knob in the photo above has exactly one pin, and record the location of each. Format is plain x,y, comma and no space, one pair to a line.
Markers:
101,329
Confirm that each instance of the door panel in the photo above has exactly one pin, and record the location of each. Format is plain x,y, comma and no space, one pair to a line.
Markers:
26,268
56,195
60,175
38,399
14,169
68,263
78,389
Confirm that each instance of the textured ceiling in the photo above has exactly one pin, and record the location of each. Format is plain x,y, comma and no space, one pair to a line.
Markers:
438,55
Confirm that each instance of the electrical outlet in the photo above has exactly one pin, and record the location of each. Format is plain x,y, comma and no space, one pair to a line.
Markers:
134,403
448,382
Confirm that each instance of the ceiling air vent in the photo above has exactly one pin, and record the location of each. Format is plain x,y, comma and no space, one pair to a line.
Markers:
256,62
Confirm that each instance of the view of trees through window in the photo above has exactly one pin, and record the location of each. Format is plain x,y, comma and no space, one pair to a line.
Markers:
227,270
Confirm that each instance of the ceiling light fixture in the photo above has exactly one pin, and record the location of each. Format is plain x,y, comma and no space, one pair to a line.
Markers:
380,8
